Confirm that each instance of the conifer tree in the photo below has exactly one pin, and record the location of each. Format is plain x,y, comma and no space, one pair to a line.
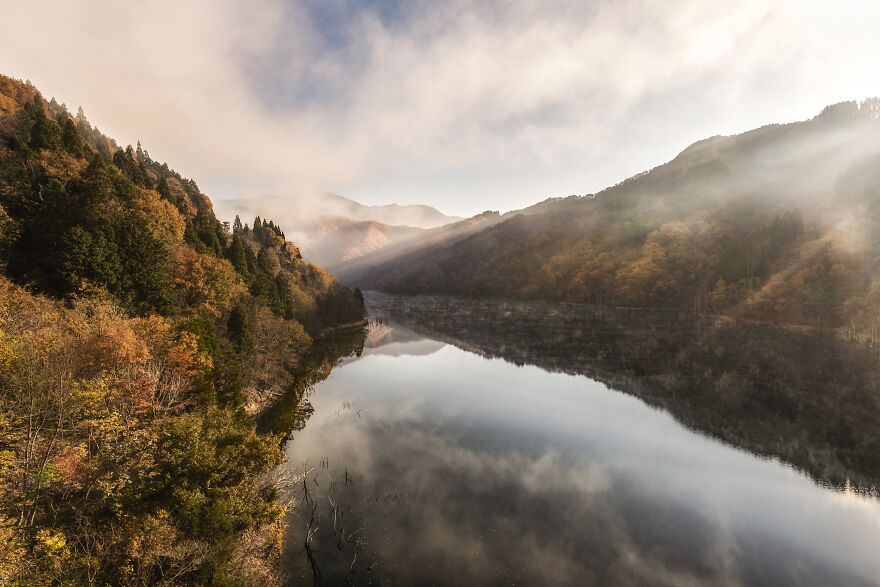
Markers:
70,138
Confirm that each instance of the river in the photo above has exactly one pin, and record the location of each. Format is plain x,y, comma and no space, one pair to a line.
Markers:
514,443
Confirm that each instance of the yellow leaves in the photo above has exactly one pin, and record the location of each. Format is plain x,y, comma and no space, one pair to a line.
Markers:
7,104
178,349
204,280
161,218
185,359
15,94
158,540
9,434
12,552
324,279
8,227
61,164
21,311
93,400
115,346
157,332
51,542
7,355
721,295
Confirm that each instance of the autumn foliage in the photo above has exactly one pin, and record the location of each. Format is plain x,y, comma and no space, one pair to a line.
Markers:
138,335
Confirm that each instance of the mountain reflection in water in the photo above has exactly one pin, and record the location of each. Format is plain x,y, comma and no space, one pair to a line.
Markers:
465,446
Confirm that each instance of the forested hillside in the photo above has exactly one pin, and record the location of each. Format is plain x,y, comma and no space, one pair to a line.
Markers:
780,224
137,334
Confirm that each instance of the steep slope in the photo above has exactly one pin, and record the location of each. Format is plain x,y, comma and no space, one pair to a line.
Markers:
136,333
333,242
778,223
408,253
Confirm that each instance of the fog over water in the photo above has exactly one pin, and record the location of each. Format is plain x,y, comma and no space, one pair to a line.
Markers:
449,467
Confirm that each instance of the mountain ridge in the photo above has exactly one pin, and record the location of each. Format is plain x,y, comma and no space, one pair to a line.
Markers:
333,230
733,224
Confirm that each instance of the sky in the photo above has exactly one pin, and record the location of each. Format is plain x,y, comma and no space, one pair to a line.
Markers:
466,106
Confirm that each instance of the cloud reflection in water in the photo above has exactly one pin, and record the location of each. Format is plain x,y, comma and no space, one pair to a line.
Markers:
464,470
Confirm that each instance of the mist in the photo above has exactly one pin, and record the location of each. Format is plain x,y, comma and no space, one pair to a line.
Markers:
462,106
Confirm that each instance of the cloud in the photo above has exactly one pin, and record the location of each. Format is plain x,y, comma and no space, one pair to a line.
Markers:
464,105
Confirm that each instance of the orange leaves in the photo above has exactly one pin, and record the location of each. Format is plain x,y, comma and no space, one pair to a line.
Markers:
69,463
14,95
672,261
178,349
114,347
7,105
62,165
204,280
324,280
179,194
93,357
184,358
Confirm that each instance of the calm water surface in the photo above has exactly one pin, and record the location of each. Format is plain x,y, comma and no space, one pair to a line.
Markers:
444,455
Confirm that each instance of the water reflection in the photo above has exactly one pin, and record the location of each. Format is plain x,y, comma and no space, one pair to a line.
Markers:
293,410
429,464
808,399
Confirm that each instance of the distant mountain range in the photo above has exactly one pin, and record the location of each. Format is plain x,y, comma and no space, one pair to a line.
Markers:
779,223
334,230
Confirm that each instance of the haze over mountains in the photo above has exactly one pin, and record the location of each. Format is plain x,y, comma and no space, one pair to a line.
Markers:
777,223
334,230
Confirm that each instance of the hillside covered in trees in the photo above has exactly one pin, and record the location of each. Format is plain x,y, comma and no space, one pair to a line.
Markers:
780,223
138,335
809,399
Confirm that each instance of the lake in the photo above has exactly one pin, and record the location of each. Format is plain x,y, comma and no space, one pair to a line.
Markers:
466,442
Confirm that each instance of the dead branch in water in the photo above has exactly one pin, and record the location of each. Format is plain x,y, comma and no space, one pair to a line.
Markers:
310,534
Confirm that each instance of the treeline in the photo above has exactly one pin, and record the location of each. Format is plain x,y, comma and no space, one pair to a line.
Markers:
748,259
809,399
779,224
137,333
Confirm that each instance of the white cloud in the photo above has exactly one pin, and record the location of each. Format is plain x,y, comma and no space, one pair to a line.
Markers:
464,105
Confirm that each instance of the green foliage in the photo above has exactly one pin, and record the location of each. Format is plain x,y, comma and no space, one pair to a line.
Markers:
146,285
746,258
141,373
44,132
89,258
207,471
238,326
242,257
341,305
70,138
205,233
